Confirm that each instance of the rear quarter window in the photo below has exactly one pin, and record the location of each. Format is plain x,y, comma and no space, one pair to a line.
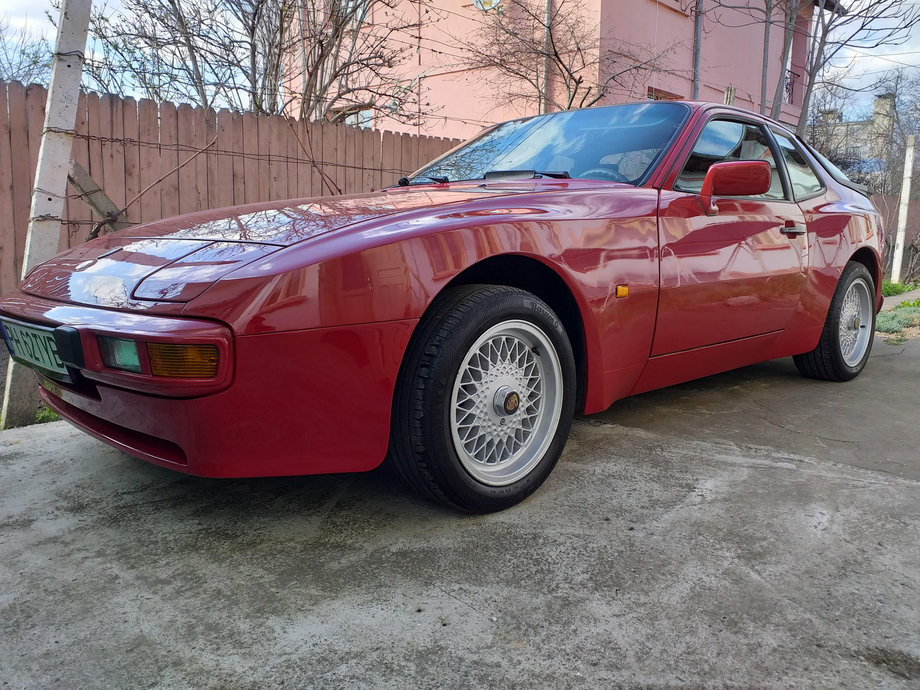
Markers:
804,180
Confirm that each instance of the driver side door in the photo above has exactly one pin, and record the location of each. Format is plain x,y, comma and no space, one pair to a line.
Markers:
737,273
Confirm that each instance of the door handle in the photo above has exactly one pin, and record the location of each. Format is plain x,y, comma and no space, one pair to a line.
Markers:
790,227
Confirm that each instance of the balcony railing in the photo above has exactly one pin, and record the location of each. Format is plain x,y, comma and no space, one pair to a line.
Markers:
792,78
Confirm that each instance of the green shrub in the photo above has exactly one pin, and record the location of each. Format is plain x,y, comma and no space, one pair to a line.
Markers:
46,414
891,321
889,289
912,314
909,304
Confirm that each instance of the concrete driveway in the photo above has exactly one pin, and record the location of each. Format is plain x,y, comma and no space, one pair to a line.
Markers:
750,529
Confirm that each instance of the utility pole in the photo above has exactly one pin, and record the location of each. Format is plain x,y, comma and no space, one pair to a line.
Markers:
903,206
20,397
697,48
547,18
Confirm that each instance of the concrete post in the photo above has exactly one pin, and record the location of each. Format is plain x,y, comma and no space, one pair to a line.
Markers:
20,397
903,207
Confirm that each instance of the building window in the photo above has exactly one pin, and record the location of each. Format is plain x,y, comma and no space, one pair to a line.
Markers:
659,95
682,6
360,118
353,116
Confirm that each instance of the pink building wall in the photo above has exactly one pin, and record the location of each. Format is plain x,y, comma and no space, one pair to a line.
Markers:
456,101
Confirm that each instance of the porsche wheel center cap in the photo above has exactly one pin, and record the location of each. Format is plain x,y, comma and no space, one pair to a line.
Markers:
506,401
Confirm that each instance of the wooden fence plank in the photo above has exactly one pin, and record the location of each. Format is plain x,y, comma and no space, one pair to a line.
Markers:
304,169
200,164
371,156
313,142
169,159
235,144
220,162
35,115
188,175
148,135
250,161
9,277
378,159
22,177
111,130
352,158
330,147
406,157
79,216
293,156
341,159
389,159
94,142
211,159
278,162
133,187
263,156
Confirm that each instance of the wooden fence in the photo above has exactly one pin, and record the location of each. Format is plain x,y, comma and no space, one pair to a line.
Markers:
128,145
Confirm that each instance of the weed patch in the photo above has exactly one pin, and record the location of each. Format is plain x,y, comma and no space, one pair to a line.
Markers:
46,414
889,289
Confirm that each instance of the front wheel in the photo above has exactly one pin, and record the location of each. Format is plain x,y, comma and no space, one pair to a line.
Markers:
485,398
846,340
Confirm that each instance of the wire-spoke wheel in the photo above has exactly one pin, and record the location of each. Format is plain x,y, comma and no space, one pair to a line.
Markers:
506,399
845,344
485,398
855,319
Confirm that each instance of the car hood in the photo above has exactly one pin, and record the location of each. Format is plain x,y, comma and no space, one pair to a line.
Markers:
176,259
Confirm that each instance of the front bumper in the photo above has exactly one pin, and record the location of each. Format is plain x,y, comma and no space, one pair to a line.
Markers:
303,402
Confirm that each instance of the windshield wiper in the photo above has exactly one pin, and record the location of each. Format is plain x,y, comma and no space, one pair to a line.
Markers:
405,181
525,174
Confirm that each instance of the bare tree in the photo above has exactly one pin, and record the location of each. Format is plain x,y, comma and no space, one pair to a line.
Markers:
23,58
546,55
347,62
834,128
864,24
319,57
869,146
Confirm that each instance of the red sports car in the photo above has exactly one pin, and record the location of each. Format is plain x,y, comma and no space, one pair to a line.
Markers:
455,322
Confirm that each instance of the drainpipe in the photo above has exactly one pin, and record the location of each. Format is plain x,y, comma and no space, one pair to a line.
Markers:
547,8
697,41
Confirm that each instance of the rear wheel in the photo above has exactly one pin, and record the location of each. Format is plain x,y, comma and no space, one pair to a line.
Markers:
485,399
846,341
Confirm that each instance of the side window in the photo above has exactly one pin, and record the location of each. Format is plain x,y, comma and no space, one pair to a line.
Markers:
805,182
725,140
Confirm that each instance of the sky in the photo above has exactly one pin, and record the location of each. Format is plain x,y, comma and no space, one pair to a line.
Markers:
29,13
864,66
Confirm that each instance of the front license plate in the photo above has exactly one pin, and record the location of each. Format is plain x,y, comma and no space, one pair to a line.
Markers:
33,345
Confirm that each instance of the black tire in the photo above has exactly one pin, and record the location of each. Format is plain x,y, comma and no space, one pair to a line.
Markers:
444,419
846,341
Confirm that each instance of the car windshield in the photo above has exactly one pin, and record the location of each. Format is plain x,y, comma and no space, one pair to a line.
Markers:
618,143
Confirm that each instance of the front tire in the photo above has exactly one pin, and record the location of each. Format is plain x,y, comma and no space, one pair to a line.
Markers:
846,340
485,398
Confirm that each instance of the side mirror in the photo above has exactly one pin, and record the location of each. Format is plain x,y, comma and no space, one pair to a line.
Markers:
734,178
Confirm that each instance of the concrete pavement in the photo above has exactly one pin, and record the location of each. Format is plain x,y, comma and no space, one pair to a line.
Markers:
749,529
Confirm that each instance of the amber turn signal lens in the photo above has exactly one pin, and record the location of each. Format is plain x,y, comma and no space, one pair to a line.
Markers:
183,361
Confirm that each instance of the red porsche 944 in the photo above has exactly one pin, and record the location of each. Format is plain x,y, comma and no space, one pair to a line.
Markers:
454,323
